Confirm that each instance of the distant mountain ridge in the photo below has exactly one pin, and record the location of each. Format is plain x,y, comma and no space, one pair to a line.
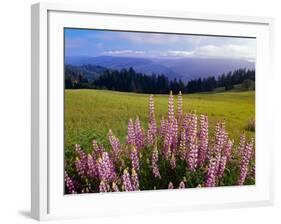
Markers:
185,69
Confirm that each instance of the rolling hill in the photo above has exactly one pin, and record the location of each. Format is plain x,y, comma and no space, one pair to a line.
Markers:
180,68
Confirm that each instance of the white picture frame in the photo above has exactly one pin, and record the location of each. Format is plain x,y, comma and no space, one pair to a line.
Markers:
47,198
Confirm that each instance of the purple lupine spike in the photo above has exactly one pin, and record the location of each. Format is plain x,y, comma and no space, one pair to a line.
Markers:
115,144
186,121
154,161
171,115
173,161
203,139
103,187
115,187
193,126
175,137
179,105
127,181
228,148
168,141
211,174
134,158
97,149
222,165
241,146
80,152
224,157
220,141
170,185
152,120
109,167
181,185
182,149
69,183
92,167
101,169
220,137
151,109
244,165
80,167
135,180
163,127
139,134
82,159
106,169
131,137
149,137
192,155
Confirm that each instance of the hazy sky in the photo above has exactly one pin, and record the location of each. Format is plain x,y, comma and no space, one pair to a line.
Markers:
82,42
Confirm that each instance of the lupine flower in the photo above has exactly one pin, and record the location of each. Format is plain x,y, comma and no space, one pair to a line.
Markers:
181,185
228,148
193,126
203,139
173,161
154,160
92,167
139,134
225,157
171,115
187,121
105,168
151,109
179,105
170,186
163,127
192,155
80,167
103,187
135,180
152,120
127,181
131,138
134,158
244,166
218,149
211,174
168,141
182,151
98,149
81,161
220,137
175,137
69,183
149,137
115,187
115,143
241,146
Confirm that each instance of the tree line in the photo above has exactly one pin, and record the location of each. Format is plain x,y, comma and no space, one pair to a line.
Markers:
128,80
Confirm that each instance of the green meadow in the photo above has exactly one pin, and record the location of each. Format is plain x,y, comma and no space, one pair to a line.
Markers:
89,114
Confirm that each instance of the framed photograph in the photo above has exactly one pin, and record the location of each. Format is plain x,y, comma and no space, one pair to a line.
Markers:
162,111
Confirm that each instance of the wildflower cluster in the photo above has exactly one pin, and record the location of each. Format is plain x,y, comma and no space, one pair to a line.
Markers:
179,153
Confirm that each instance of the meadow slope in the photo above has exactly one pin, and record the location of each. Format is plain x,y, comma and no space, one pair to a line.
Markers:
89,114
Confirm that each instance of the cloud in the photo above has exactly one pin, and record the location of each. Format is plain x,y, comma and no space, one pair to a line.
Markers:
123,53
225,51
207,51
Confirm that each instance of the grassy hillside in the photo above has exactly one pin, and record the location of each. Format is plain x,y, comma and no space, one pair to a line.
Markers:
89,114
